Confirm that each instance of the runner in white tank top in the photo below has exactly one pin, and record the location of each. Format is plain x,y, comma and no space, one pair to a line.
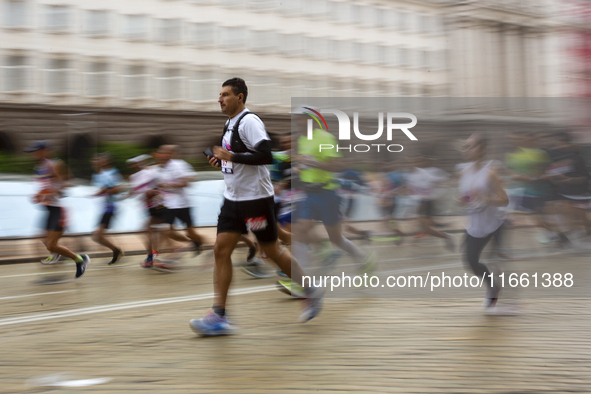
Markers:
482,195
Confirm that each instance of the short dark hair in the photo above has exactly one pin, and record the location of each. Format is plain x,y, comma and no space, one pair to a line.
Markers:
238,86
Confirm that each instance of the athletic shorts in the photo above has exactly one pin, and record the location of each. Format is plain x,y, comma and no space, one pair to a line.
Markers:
56,219
284,218
257,216
426,208
533,203
323,205
182,214
157,213
388,210
106,219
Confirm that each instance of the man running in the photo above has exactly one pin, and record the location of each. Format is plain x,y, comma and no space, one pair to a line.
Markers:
243,156
108,180
51,175
144,181
175,176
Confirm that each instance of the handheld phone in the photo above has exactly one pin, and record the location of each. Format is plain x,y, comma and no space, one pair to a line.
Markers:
208,152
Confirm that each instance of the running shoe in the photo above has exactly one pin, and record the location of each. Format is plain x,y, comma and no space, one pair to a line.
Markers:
492,295
212,325
368,265
51,259
311,307
198,248
117,255
291,289
252,251
164,265
81,267
450,242
281,273
148,262
257,269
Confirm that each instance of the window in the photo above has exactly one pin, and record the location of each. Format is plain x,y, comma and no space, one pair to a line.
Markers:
263,41
205,86
318,48
202,34
345,52
403,57
57,17
340,11
334,49
135,27
57,76
391,55
135,82
291,7
233,37
356,52
97,23
369,53
97,81
369,15
16,13
169,30
170,84
262,5
14,74
292,45
316,8
263,90
402,21
425,59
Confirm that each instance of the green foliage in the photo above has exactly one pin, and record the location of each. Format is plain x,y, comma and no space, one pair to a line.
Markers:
120,153
16,164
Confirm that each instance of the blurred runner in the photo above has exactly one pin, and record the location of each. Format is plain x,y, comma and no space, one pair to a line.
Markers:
175,176
424,183
144,181
108,180
316,169
481,194
52,175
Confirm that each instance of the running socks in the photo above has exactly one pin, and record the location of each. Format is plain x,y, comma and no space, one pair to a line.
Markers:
78,259
221,312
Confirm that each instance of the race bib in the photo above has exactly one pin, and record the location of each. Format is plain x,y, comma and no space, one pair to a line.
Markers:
227,167
256,224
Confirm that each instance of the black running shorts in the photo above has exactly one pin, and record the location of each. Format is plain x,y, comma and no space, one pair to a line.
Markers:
106,219
257,216
182,214
157,214
56,219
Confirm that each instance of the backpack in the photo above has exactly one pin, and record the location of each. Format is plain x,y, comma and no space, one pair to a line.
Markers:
236,142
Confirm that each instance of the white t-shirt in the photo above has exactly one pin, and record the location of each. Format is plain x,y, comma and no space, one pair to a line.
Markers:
246,182
424,183
145,180
172,172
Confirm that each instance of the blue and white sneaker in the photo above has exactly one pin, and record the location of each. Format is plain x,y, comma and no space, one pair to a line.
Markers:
212,325
311,307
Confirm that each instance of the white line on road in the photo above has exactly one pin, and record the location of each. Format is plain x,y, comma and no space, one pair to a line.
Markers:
36,294
126,305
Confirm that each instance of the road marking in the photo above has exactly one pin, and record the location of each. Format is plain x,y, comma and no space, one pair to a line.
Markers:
65,272
36,294
126,305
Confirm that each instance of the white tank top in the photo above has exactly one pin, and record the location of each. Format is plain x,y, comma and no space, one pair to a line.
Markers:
48,181
484,219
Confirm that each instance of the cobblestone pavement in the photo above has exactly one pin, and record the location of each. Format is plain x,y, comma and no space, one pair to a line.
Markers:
131,326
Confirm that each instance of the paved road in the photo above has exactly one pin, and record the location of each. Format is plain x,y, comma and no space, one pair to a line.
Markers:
131,326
